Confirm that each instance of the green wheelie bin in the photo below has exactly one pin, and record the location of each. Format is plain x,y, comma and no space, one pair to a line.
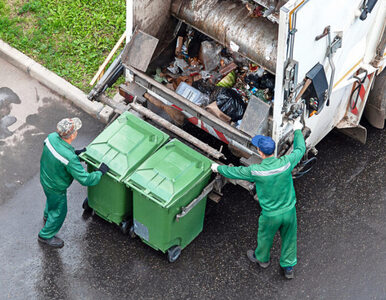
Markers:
163,187
123,146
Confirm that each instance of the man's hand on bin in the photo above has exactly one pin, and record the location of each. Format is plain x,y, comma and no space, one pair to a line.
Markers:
104,168
214,167
77,152
297,125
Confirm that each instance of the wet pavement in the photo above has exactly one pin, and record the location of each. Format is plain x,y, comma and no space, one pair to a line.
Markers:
341,225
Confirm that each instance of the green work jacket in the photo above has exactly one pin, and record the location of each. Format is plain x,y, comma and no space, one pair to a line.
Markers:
273,178
59,165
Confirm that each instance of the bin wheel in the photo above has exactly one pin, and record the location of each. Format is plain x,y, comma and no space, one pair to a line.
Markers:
174,253
124,227
85,206
132,233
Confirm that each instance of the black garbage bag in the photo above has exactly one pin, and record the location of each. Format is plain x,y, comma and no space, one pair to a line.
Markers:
230,103
267,81
253,80
204,87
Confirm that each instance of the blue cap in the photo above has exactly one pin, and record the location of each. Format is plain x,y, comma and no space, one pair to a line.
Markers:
265,143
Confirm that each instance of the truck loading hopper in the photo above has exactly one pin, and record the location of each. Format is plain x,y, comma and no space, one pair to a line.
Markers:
229,23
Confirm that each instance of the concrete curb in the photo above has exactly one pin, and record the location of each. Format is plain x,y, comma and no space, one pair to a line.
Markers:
54,82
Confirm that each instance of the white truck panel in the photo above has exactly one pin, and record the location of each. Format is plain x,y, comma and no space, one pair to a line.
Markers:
278,131
375,34
359,42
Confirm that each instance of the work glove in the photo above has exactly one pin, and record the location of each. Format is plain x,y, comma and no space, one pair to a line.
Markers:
297,125
77,152
104,168
214,167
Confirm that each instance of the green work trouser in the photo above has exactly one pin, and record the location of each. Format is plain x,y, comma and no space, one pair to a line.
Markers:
268,226
55,212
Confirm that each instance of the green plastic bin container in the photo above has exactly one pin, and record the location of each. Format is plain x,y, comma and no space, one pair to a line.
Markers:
167,181
123,146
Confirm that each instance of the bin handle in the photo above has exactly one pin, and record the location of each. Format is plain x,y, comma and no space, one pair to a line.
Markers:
89,160
96,165
185,210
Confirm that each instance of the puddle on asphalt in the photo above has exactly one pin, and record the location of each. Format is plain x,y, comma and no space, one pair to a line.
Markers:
7,98
20,152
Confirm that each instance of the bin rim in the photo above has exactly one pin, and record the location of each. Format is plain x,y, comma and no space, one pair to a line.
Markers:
110,173
115,175
162,201
175,198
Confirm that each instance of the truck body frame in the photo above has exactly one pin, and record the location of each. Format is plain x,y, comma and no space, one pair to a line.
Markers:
309,32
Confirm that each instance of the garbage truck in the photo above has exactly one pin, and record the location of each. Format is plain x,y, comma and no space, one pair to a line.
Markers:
234,69
255,67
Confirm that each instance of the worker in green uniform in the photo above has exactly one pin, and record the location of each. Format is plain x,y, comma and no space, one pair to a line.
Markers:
59,165
276,194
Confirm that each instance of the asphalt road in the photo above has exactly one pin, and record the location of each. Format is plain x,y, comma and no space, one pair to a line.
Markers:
341,225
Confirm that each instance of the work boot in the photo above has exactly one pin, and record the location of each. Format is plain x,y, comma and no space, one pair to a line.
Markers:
289,272
53,242
252,258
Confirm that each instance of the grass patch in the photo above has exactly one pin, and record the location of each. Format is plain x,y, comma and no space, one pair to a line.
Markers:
69,37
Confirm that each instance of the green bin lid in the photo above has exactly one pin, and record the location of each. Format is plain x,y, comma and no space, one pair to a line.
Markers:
124,145
169,173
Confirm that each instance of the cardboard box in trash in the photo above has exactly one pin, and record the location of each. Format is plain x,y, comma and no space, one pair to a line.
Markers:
214,110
